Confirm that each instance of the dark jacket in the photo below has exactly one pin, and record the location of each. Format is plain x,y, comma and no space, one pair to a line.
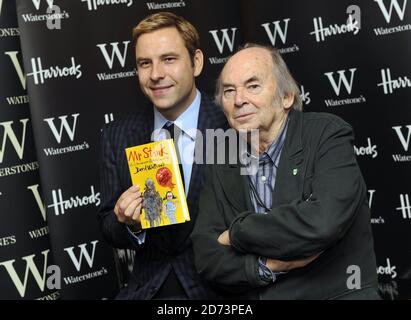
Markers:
165,247
319,205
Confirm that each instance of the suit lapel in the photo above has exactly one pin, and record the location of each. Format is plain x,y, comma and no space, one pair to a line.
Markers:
142,129
204,123
138,133
292,167
235,187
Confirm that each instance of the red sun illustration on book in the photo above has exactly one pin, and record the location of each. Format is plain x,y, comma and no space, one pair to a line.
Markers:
164,177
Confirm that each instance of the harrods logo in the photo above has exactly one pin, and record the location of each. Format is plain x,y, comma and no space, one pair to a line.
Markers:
22,99
112,55
93,5
60,205
405,207
48,7
405,142
389,85
272,29
40,74
305,96
348,85
223,38
166,5
108,117
388,290
126,258
369,150
321,33
388,270
388,13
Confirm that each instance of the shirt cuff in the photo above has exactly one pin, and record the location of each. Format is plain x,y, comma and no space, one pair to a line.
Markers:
265,273
138,237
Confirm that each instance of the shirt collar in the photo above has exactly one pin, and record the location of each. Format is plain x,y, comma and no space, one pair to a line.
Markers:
246,155
187,121
271,151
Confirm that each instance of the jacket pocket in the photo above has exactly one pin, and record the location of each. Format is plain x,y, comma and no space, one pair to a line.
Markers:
307,188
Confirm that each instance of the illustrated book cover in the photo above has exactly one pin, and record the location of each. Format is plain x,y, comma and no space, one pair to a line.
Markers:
154,167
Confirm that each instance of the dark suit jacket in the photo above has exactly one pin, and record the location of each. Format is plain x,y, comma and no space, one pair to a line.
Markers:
319,205
165,247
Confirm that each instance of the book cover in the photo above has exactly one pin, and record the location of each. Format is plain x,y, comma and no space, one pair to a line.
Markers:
154,167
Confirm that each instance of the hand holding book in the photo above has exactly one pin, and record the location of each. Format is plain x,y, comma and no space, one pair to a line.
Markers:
128,207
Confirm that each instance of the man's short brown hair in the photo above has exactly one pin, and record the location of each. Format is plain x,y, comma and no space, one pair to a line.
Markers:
162,20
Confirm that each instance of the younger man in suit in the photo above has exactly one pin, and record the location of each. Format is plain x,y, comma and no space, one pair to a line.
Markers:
168,60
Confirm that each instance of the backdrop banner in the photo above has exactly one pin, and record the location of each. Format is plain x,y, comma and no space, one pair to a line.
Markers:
26,263
350,58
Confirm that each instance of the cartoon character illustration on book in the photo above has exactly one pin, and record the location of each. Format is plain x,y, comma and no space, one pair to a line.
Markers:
152,203
170,207
165,177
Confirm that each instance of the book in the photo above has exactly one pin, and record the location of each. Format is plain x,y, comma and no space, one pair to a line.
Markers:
154,167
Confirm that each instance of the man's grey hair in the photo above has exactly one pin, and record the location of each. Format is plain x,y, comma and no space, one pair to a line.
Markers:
286,84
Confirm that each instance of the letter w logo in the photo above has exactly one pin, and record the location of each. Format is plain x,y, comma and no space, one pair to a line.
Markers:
405,142
63,124
395,5
30,267
277,29
35,190
37,3
8,132
17,65
83,252
342,79
115,51
224,39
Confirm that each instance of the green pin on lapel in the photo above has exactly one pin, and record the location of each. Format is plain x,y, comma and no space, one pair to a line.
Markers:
295,171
